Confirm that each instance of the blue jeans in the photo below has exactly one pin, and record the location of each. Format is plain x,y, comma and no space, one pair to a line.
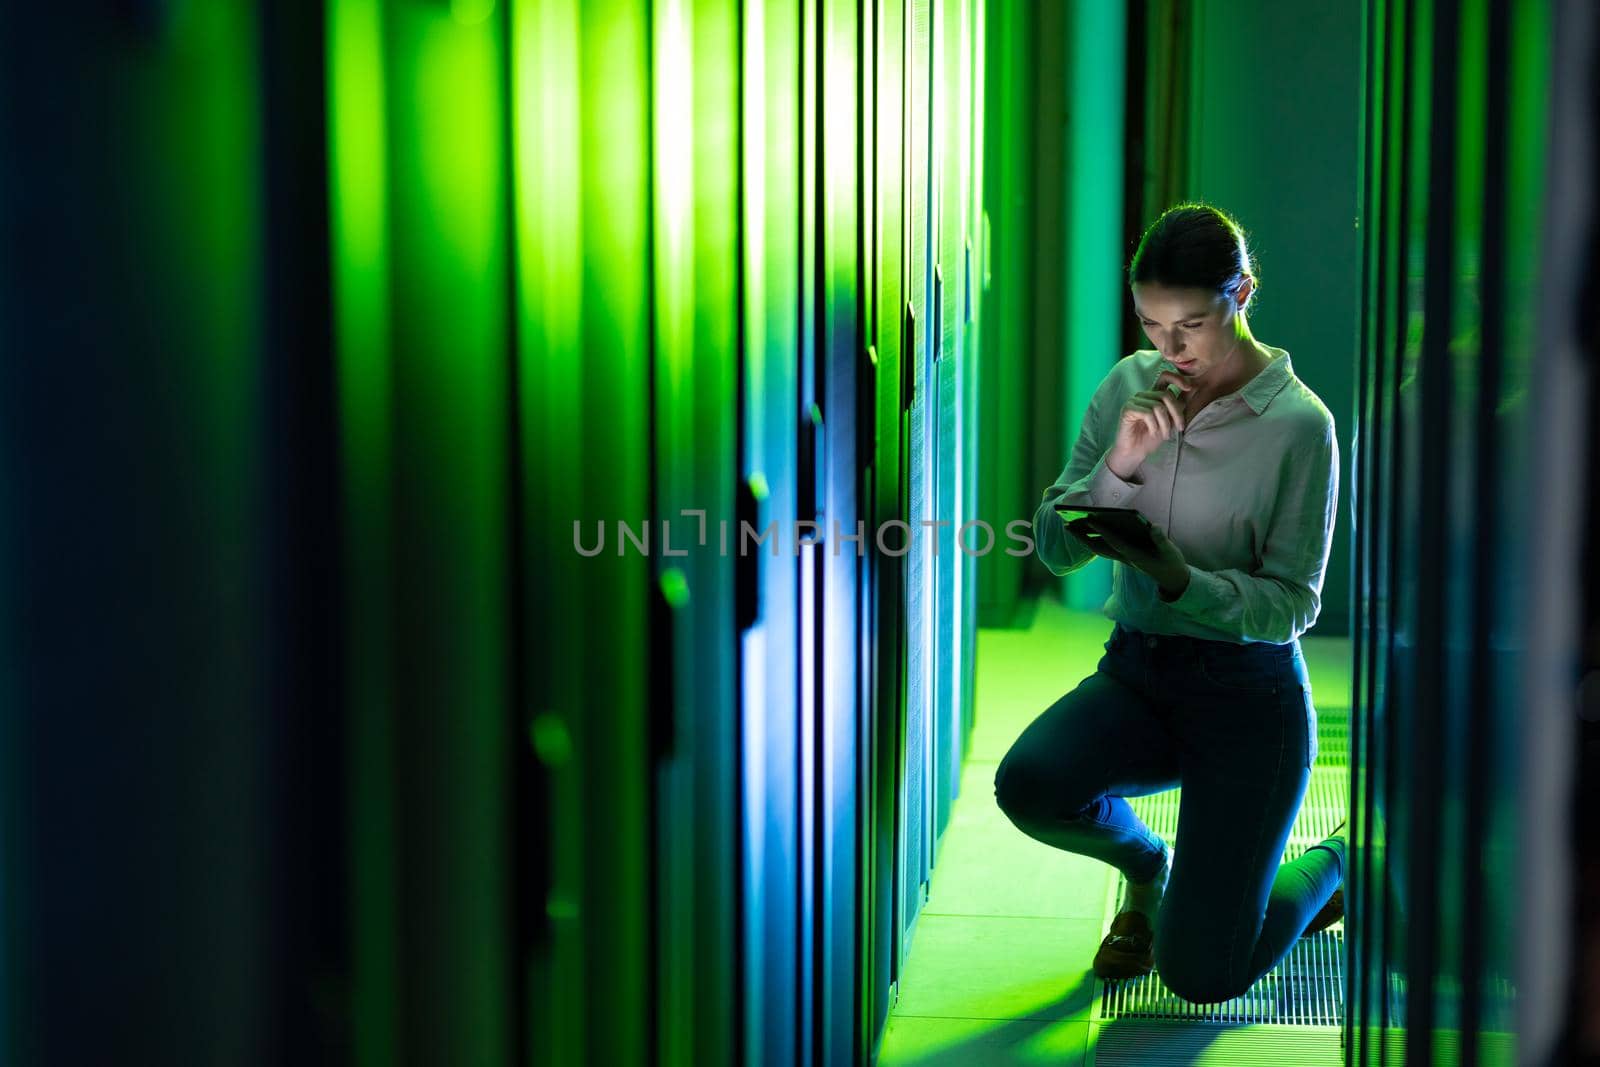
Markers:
1234,726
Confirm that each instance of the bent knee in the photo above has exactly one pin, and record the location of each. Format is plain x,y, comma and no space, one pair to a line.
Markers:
1031,791
1018,789
1006,789
1199,982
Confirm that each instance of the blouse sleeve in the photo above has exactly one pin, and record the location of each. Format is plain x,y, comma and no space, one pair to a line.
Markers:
1086,480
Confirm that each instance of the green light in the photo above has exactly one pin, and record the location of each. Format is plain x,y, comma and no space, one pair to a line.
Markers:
674,118
458,145
1094,207
550,739
471,12
674,587
358,185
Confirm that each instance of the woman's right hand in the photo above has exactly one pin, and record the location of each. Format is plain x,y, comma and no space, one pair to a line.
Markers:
1150,417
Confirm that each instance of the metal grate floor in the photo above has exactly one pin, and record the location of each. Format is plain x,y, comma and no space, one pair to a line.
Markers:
1305,989
1293,1015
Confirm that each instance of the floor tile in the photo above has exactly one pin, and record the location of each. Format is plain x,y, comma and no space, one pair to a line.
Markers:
986,866
1020,673
911,1041
995,967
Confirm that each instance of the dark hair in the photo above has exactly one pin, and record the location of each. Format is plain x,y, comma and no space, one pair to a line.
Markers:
1193,246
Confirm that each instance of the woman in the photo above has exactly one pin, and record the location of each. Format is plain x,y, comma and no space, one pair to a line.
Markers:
1233,461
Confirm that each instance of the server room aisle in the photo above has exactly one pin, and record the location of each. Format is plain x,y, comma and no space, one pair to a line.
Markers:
998,968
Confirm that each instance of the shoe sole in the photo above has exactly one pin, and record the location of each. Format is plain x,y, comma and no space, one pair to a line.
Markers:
1114,966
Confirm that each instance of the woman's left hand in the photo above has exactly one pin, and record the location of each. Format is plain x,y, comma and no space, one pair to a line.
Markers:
1166,564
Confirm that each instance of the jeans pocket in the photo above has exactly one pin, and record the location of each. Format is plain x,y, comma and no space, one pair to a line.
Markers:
1239,668
1312,747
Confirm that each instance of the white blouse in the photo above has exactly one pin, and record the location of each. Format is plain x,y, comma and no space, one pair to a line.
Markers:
1253,510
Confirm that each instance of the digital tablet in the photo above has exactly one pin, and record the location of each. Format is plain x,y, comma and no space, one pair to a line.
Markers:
1127,523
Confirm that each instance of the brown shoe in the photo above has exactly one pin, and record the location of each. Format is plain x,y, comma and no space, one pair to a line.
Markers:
1128,951
1331,912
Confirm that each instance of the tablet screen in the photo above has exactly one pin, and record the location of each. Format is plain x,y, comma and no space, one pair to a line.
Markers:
1127,523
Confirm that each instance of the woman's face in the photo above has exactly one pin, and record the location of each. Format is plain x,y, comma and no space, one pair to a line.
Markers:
1196,330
